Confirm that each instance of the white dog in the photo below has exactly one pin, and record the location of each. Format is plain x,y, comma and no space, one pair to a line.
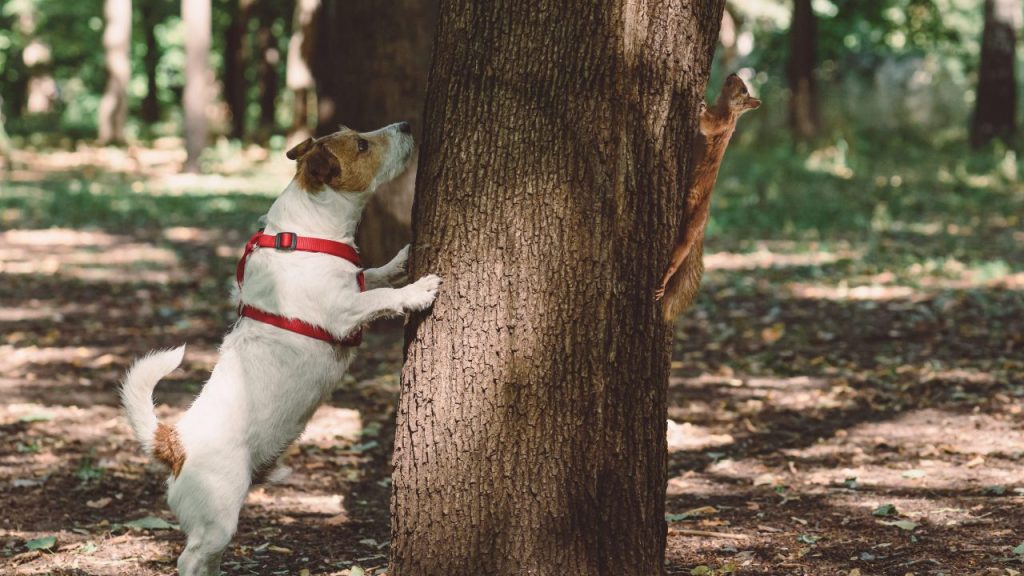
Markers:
301,312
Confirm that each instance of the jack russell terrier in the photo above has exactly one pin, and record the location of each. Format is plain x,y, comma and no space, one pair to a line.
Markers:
302,304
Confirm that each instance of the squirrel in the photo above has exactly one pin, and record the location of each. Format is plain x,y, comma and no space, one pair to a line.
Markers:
717,123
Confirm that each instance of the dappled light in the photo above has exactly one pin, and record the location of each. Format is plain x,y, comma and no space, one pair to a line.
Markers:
845,395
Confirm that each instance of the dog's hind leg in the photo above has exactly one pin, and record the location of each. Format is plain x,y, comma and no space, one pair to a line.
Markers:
207,505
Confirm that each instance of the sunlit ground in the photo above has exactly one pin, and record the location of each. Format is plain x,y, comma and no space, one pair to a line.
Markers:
825,374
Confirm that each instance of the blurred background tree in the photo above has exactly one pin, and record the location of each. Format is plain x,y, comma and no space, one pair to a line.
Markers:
866,82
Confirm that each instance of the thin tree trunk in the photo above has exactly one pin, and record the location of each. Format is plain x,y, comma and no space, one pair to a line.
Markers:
196,16
151,103
299,72
117,38
531,426
269,56
995,113
236,59
41,88
381,79
803,57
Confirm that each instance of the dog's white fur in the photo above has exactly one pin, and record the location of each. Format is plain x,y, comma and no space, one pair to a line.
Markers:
268,382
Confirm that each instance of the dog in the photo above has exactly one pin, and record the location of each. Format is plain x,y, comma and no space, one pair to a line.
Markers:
301,311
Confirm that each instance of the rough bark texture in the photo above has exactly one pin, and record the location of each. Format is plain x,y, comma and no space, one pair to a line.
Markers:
531,427
299,71
117,36
196,16
381,79
803,57
236,59
995,114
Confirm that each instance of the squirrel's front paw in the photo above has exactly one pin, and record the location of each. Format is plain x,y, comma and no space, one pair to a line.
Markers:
659,293
420,294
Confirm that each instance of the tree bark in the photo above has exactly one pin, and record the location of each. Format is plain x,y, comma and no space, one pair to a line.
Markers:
236,58
117,37
803,56
382,79
196,16
995,113
151,103
531,427
299,68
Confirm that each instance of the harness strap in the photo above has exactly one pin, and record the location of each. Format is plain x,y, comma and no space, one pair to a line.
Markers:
290,242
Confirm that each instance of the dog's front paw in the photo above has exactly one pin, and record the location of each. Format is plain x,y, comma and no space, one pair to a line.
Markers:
420,294
400,263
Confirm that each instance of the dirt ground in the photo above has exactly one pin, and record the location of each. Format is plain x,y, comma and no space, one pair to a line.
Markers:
827,415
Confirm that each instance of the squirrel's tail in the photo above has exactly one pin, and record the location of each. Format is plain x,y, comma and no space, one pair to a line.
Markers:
160,440
684,285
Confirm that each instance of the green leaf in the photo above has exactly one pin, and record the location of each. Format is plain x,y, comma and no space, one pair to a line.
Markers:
807,539
150,523
37,417
902,524
44,543
702,570
360,448
88,548
356,571
1019,550
996,490
885,510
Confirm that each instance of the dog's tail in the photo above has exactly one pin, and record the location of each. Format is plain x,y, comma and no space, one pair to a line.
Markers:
160,440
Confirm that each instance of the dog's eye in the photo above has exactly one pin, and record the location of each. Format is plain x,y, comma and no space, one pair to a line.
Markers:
363,145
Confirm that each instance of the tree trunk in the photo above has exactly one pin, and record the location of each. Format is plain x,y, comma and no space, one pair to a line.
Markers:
298,71
381,79
269,56
196,16
236,58
151,103
41,88
803,56
995,113
531,426
117,37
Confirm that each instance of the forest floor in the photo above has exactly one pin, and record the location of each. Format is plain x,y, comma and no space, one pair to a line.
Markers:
849,404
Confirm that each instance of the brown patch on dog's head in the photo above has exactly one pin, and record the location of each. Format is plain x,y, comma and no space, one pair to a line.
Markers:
345,161
168,449
736,96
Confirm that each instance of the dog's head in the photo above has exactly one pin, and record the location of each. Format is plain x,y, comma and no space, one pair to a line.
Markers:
350,161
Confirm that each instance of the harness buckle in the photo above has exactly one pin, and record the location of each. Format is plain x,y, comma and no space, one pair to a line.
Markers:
288,246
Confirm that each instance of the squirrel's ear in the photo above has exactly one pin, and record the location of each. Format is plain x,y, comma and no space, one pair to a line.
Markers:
300,149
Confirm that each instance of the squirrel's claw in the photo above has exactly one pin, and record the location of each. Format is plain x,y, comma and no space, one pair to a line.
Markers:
659,293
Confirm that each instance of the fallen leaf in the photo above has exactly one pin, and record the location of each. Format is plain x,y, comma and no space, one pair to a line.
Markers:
150,523
98,503
44,543
907,525
885,510
279,549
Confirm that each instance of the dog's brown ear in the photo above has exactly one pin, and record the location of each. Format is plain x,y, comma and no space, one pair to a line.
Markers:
319,167
300,149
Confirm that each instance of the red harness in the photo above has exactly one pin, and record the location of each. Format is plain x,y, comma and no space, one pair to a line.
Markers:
290,242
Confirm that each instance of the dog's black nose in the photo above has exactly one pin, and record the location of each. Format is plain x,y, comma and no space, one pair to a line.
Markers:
404,127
